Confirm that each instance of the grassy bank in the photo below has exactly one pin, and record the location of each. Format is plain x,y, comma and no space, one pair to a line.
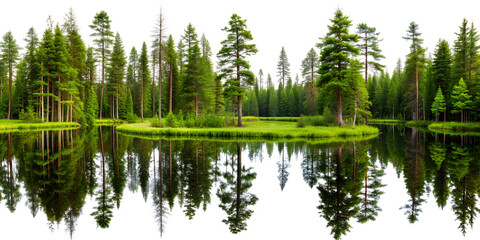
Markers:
12,125
256,129
418,124
456,126
251,139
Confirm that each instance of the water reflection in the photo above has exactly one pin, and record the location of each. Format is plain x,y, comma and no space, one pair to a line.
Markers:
55,171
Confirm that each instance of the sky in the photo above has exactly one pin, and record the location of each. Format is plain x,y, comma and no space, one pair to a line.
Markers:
296,25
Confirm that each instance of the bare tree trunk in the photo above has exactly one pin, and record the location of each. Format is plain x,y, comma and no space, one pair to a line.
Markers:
10,76
355,111
59,113
103,77
171,89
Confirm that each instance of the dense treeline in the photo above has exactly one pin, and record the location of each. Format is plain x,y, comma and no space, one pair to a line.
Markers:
59,78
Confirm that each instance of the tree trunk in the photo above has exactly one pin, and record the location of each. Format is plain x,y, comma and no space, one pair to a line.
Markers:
141,99
366,71
339,107
10,76
171,89
103,76
153,87
355,111
59,109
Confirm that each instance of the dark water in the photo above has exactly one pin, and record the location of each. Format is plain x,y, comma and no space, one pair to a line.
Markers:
98,183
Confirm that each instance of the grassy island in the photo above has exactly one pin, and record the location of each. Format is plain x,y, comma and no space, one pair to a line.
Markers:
18,125
257,129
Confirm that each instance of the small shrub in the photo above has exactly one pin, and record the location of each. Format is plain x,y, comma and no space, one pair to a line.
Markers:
131,118
28,116
179,120
198,123
301,122
170,120
213,121
155,122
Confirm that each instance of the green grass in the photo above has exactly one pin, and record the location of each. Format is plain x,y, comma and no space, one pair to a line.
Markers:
258,129
108,121
385,121
16,125
456,126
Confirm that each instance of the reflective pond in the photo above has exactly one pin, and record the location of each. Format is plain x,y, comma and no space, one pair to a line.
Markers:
98,183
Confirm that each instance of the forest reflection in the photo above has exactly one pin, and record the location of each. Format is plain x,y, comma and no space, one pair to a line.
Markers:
55,171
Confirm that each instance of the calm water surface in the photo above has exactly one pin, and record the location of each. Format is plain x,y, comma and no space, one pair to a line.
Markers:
98,183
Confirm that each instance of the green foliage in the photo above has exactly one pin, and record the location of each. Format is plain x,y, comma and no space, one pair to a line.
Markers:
29,116
91,107
283,67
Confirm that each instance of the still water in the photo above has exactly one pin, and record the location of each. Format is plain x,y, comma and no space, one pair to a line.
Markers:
98,183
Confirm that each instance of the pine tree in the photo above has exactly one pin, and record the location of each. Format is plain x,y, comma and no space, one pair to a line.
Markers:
441,66
272,103
158,45
472,51
337,46
33,70
460,99
368,45
101,30
91,107
357,94
283,67
9,56
233,64
62,70
415,60
309,72
438,106
460,52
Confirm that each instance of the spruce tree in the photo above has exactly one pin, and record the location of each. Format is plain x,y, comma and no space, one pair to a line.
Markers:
283,67
103,40
438,106
441,66
460,52
10,57
337,49
232,60
368,46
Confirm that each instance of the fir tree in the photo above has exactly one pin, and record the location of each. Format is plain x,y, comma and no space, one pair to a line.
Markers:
438,105
460,99
116,72
144,78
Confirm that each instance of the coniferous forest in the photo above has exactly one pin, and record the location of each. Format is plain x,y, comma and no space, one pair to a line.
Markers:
53,76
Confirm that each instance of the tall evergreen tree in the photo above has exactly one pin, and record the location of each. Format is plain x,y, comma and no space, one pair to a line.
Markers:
460,55
309,72
103,40
10,57
158,45
441,66
172,67
233,64
116,74
144,78
337,48
415,59
368,45
283,67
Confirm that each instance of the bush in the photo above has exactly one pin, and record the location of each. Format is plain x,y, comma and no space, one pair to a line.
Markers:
155,122
170,120
190,121
213,121
316,121
301,122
